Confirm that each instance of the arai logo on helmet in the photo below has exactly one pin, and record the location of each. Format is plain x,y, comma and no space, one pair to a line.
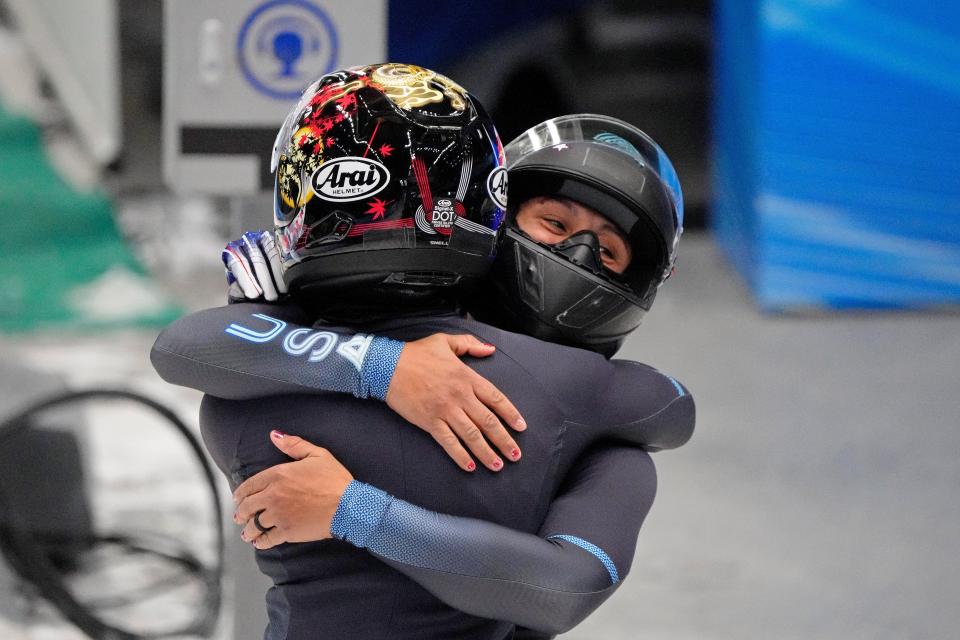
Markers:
497,187
350,178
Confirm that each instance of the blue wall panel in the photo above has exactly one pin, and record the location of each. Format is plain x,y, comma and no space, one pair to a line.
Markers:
846,185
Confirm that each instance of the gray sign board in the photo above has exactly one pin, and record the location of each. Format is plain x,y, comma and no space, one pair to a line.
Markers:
232,70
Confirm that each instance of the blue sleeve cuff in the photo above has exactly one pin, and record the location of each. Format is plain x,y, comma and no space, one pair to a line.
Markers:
379,365
600,554
359,512
676,385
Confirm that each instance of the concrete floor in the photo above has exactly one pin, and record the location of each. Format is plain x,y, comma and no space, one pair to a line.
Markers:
818,498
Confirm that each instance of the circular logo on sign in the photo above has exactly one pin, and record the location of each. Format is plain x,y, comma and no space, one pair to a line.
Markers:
497,187
284,45
350,178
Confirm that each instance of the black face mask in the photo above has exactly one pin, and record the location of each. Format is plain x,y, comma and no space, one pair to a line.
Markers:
558,293
583,250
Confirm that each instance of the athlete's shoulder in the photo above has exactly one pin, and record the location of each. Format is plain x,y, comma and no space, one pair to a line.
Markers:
642,396
638,374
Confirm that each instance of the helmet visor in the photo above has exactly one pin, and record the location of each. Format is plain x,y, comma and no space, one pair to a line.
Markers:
616,133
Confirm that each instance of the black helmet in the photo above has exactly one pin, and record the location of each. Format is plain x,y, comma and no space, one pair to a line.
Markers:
561,292
385,186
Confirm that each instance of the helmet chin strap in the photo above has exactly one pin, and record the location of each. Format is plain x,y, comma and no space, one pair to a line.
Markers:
583,250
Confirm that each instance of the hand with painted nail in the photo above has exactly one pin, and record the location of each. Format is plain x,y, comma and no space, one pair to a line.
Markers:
433,389
293,502
430,388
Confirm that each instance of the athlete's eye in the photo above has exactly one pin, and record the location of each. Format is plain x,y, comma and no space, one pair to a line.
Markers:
610,258
555,224
615,257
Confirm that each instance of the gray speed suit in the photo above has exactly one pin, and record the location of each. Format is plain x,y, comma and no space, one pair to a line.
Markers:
423,549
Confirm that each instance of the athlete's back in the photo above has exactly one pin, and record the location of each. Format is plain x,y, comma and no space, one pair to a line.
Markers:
572,399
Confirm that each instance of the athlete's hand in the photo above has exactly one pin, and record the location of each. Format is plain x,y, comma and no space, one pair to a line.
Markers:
432,388
296,501
253,268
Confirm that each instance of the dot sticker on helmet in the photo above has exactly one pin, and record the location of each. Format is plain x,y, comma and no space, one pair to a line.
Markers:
443,216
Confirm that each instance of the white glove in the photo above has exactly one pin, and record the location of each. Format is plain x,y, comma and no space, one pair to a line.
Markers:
253,268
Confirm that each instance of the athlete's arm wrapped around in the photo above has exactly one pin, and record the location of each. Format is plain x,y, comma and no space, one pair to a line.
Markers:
248,351
550,581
